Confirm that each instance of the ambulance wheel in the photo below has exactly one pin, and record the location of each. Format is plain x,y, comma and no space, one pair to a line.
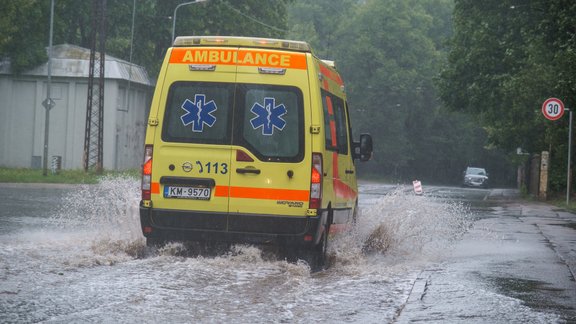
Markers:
355,215
317,256
322,251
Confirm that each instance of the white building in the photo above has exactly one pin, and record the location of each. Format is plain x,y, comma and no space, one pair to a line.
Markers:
22,115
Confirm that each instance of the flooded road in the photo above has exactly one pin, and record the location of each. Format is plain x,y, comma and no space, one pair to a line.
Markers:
76,254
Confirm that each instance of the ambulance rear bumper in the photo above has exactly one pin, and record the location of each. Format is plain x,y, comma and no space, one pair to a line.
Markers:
180,225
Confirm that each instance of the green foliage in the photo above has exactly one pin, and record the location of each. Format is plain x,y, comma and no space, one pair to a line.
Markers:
316,22
382,50
19,39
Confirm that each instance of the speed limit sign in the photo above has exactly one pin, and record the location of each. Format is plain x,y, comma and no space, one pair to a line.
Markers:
553,108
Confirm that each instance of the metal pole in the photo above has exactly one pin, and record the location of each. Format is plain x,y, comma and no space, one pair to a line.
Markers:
131,50
48,94
174,16
569,158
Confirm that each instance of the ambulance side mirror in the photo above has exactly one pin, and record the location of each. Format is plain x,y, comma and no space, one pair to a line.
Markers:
363,148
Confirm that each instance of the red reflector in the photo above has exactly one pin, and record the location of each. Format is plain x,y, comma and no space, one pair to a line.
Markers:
243,156
147,229
314,203
308,238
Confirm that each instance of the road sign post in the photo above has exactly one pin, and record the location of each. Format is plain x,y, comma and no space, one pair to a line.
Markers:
569,157
48,103
553,109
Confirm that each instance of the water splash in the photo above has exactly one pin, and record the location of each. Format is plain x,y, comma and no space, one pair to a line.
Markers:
105,217
403,227
399,226
111,204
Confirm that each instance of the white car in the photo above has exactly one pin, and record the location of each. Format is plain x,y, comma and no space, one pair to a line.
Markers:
475,177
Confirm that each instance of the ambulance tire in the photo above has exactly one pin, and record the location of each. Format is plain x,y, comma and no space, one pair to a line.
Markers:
355,215
314,256
317,256
322,251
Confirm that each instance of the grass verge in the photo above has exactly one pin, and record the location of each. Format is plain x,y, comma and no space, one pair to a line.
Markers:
561,203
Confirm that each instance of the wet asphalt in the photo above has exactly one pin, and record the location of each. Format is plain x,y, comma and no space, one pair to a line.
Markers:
519,254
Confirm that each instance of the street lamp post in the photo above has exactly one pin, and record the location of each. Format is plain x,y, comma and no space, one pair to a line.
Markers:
174,16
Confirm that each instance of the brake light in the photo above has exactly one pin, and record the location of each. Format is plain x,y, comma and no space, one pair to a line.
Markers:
147,173
316,182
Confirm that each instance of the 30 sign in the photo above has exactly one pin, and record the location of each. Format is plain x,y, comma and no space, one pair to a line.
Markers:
553,108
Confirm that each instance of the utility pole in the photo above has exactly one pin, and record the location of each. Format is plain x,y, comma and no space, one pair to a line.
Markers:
93,138
48,103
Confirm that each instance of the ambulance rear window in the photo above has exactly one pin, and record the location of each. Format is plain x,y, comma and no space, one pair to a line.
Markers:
272,122
198,112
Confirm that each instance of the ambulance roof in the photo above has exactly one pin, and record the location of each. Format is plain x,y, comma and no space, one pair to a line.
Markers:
299,46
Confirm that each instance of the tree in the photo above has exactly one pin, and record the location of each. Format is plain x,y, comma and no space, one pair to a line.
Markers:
317,23
21,22
391,52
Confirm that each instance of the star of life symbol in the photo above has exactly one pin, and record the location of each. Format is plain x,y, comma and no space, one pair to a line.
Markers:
268,116
199,113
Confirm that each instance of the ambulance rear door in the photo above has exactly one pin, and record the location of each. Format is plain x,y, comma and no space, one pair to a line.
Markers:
192,161
271,163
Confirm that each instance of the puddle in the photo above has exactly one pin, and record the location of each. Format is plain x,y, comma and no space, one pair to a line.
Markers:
535,294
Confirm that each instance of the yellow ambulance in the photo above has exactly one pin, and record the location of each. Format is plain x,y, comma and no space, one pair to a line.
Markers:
249,141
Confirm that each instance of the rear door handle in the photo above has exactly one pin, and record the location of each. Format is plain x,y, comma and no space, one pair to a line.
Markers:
248,170
349,171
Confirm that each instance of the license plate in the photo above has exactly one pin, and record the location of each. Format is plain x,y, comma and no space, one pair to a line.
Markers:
200,193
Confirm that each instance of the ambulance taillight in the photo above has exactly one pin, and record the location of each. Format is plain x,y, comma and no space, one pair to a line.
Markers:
147,173
316,182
